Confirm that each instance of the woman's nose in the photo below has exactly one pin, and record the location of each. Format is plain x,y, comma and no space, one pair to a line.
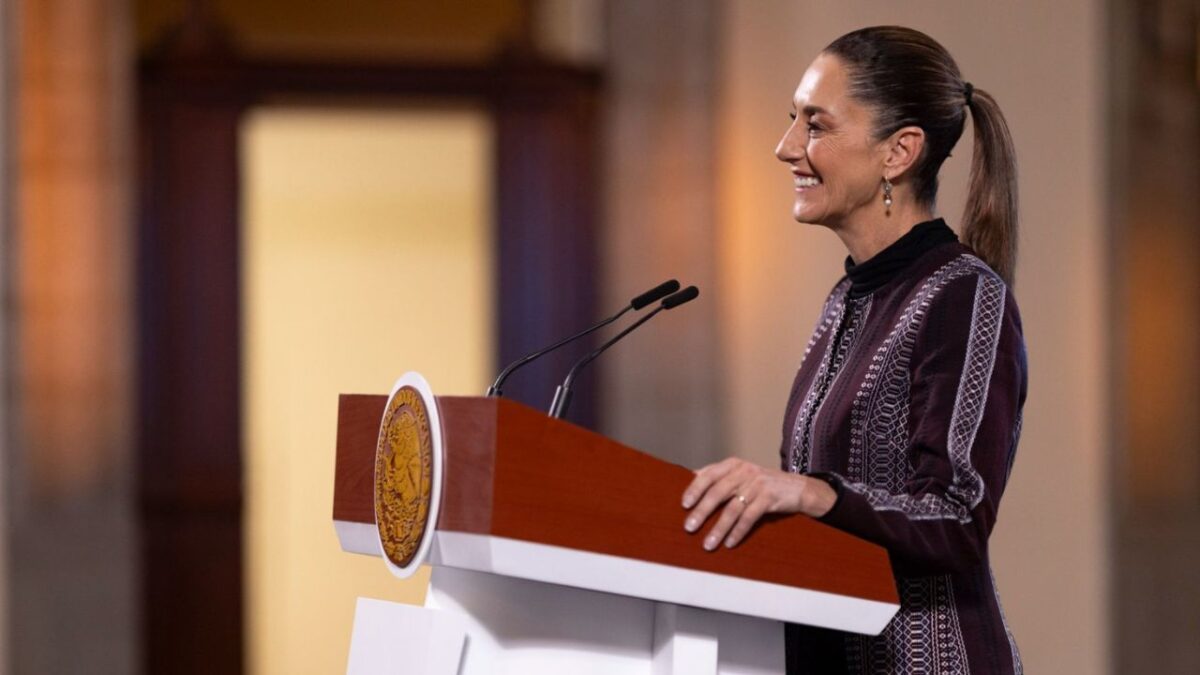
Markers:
788,149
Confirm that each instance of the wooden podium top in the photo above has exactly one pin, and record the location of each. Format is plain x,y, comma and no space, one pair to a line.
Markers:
514,472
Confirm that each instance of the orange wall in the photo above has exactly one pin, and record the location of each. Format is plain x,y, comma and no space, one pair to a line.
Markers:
70,310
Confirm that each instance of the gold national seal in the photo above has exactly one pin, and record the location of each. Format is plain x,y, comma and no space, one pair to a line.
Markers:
403,475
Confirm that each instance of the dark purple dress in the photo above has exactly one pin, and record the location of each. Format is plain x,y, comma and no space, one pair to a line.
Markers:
908,401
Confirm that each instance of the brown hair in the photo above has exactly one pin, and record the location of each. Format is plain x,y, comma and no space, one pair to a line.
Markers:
908,79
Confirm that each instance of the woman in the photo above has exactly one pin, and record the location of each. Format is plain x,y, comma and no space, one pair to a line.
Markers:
902,426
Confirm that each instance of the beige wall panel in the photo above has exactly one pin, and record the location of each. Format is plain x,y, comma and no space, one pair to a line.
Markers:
663,392
367,254
1043,62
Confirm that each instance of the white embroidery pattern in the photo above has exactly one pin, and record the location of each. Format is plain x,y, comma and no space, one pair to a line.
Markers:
835,307
879,415
925,637
854,315
797,453
829,315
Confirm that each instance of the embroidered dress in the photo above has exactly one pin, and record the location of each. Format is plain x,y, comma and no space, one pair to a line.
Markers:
908,402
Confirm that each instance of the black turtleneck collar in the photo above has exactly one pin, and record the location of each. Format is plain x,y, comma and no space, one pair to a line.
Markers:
883,266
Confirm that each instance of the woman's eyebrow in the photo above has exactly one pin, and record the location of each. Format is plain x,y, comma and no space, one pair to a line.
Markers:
811,110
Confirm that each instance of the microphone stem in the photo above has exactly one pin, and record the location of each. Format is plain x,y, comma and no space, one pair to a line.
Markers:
562,397
494,390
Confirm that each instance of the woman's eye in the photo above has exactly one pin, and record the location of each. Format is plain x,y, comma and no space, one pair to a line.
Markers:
812,128
792,115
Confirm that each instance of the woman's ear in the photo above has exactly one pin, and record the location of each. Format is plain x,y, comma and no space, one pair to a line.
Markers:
903,149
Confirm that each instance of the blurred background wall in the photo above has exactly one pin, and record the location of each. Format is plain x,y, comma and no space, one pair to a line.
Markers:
1101,525
70,357
1153,173
6,59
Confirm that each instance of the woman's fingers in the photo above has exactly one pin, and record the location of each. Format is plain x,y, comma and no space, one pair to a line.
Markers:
729,515
716,494
704,479
746,520
746,491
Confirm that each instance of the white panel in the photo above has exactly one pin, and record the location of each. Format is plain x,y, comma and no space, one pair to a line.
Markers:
358,537
391,638
685,641
520,626
652,581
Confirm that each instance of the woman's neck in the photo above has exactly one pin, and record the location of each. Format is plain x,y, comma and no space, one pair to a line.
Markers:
865,238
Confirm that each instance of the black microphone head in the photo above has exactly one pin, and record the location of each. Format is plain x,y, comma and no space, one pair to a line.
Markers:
655,294
686,295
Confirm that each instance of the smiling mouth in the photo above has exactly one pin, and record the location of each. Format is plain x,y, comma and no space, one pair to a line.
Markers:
806,183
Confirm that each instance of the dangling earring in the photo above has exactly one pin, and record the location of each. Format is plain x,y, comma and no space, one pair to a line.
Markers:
887,195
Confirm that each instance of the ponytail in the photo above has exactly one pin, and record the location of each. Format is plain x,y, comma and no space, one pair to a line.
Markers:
990,216
907,78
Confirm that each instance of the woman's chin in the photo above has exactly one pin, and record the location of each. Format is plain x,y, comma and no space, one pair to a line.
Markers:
802,213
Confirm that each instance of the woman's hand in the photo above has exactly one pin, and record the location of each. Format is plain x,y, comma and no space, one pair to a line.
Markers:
749,492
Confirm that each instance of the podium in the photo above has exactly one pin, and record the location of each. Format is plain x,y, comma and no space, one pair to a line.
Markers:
555,549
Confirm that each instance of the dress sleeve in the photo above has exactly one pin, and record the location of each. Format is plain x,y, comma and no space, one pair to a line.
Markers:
968,385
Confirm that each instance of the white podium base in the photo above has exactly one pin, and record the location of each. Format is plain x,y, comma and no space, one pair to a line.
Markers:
390,637
520,627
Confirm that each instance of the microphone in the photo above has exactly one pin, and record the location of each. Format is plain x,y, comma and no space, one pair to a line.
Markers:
650,296
562,395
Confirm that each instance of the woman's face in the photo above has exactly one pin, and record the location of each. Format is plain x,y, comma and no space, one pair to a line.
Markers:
837,166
